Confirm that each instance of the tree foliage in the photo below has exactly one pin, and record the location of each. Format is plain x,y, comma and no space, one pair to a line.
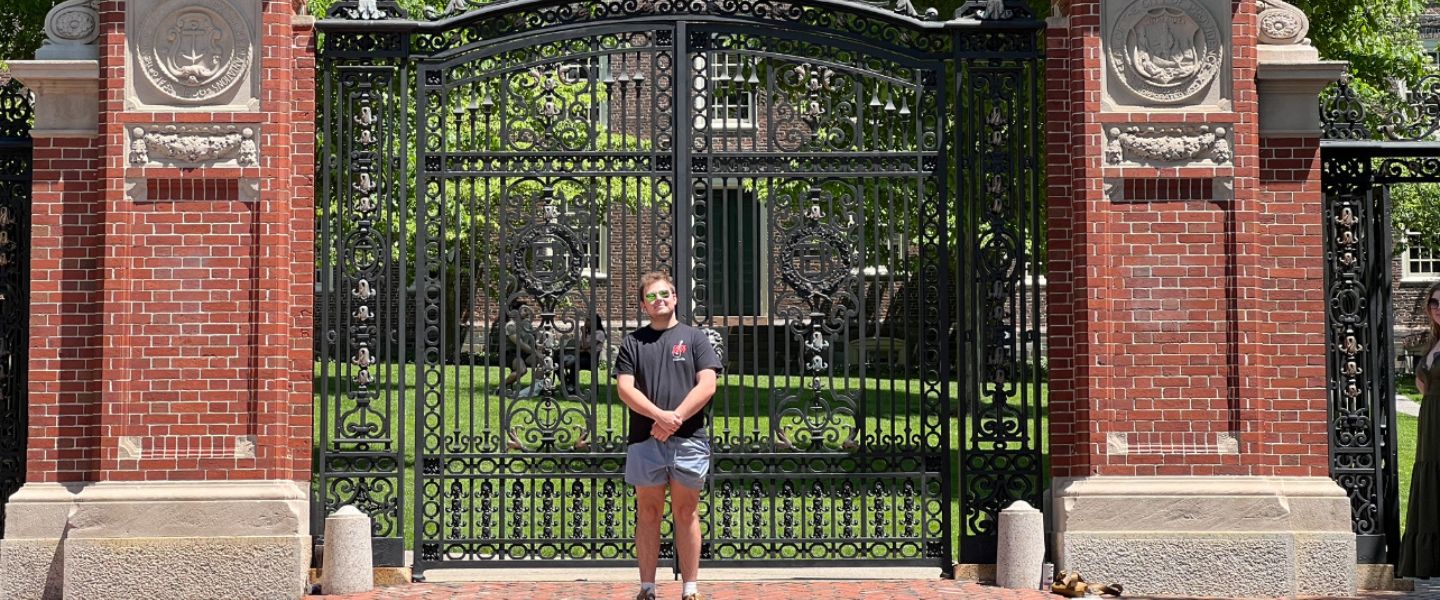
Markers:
1415,210
23,22
1381,41
1379,38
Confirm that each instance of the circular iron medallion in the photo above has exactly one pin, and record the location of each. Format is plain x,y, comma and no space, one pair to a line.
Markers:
818,259
547,259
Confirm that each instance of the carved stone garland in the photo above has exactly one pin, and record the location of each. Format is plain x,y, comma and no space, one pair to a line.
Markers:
193,145
1172,144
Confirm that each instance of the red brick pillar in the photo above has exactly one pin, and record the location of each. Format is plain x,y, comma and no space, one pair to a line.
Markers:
172,277
1186,298
65,310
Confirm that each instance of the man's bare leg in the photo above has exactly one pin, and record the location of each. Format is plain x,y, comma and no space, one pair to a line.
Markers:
684,507
649,509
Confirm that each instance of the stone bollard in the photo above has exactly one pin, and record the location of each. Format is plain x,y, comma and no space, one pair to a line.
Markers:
347,566
1021,552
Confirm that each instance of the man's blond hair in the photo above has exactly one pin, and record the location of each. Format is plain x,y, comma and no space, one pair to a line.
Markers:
650,278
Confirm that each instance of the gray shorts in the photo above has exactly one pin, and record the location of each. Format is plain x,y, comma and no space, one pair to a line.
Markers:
685,461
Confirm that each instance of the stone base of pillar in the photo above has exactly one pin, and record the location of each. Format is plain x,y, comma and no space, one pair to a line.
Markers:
156,540
1207,536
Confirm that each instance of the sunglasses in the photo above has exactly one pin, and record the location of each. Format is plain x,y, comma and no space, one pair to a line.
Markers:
1433,303
662,294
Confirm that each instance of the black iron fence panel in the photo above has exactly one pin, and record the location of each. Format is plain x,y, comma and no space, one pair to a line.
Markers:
362,387
1365,150
998,305
16,117
844,195
1362,419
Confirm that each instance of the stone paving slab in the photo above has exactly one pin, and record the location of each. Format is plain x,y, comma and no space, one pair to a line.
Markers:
1407,406
930,589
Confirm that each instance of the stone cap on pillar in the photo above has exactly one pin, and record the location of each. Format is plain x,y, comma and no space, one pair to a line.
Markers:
67,96
1290,74
71,29
66,75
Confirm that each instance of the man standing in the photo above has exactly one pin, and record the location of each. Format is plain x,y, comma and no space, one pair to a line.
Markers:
666,376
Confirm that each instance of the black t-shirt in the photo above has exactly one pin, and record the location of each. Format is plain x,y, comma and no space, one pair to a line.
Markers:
664,364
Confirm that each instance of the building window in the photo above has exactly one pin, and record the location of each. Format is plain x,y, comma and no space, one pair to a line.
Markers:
597,253
1420,263
733,78
595,241
736,260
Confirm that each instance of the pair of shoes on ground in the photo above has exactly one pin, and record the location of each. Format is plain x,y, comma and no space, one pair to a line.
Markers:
649,595
1071,585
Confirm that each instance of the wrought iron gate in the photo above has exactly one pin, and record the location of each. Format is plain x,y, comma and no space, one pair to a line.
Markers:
845,194
1362,155
15,161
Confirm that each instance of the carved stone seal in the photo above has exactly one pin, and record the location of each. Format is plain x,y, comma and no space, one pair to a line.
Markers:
1165,51
193,51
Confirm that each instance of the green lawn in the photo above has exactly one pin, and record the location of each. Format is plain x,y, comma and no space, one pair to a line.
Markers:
752,415
1405,386
1406,432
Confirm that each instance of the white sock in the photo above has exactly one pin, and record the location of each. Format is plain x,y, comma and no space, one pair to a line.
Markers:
647,587
691,587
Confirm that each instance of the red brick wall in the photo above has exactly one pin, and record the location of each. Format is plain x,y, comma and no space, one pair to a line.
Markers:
1170,302
1290,429
65,311
301,356
179,315
1070,438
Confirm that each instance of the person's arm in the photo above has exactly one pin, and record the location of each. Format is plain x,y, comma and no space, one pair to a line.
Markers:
1419,378
707,370
693,403
699,395
635,399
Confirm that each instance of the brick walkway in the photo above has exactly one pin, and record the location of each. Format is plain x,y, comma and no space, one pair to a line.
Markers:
749,590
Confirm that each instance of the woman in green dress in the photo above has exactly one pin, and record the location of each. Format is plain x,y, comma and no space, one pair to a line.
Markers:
1420,546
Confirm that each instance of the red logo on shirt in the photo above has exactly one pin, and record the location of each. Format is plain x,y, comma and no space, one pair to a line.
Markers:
677,352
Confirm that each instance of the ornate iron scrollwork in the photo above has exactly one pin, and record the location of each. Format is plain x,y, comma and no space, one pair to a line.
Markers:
1344,115
16,117
796,184
545,257
819,260
358,458
1004,428
1360,356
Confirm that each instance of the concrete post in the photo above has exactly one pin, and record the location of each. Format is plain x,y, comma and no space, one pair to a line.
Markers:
1021,547
347,566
